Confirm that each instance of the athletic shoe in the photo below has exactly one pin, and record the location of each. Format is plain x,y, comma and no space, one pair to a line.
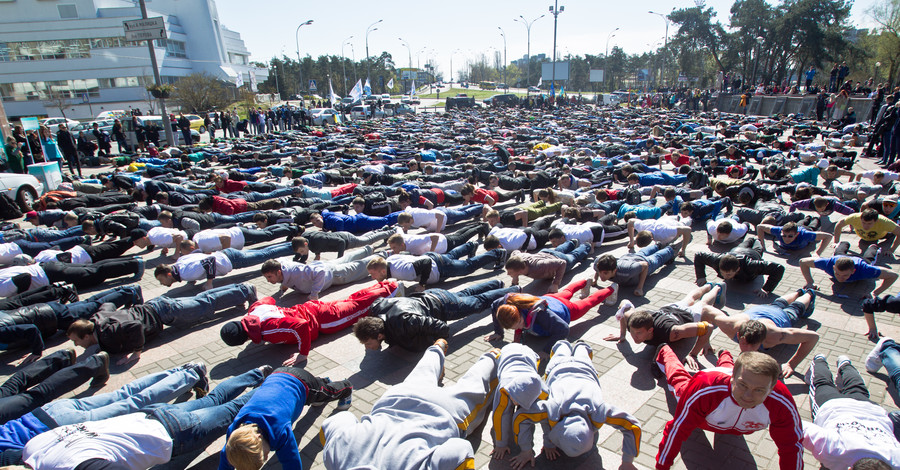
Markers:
201,388
70,295
253,297
137,295
266,370
140,270
442,343
72,354
400,291
842,360
502,257
614,297
495,352
103,374
344,403
625,305
586,290
873,360
590,350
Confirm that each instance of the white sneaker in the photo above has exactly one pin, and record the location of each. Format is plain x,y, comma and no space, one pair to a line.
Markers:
873,360
614,297
586,290
625,305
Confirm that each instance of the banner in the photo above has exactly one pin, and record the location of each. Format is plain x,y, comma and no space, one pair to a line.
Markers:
239,80
367,89
333,97
412,88
390,83
357,91
540,81
253,81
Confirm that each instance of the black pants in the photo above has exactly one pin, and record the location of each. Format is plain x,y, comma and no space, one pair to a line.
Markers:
42,381
465,234
89,275
41,295
823,388
74,162
109,250
272,232
751,243
869,249
320,389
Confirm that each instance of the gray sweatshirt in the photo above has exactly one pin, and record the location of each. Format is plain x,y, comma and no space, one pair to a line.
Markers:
519,383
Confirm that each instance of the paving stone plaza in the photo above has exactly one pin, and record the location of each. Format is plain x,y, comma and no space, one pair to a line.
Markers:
625,368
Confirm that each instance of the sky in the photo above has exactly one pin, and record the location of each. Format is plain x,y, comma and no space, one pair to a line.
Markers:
460,29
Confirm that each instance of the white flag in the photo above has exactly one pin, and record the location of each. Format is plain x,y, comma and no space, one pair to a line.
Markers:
367,89
333,97
239,81
412,88
390,83
541,80
253,81
357,91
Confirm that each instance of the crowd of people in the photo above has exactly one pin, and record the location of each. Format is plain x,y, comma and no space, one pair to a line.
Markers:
408,205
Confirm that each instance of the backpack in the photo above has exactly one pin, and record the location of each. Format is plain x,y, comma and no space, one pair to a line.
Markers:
8,208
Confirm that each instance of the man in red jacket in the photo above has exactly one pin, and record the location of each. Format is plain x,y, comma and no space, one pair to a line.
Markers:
735,397
301,324
225,206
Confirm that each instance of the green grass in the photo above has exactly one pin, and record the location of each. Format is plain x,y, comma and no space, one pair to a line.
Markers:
470,92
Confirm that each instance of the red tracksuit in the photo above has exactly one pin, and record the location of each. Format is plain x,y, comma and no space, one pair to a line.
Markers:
229,206
301,324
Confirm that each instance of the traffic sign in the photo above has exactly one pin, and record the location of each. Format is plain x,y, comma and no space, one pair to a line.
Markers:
312,86
145,29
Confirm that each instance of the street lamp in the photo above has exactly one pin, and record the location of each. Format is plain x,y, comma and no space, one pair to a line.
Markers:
299,63
369,62
451,64
409,51
503,33
759,42
521,19
611,35
666,46
344,63
555,10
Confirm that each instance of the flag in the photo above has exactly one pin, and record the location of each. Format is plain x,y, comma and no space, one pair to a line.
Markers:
390,83
333,97
357,91
412,88
562,91
253,81
551,89
367,89
239,80
540,80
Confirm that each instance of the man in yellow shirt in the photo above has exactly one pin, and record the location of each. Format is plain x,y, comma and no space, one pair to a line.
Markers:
872,228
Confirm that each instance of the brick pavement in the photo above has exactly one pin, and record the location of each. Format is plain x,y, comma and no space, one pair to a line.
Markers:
624,368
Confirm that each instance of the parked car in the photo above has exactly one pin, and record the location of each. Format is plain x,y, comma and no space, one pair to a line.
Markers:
402,109
145,121
462,95
53,122
370,99
502,86
323,115
501,100
359,113
386,96
196,122
460,103
412,100
347,103
534,89
112,114
24,189
103,125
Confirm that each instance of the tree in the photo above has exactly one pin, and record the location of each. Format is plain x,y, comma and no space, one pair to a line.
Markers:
887,15
200,92
59,100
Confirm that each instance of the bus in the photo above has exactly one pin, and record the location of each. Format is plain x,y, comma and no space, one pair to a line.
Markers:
488,85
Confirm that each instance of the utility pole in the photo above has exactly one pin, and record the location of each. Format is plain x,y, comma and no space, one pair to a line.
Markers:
343,63
503,33
300,61
170,138
528,54
665,46
555,10
369,62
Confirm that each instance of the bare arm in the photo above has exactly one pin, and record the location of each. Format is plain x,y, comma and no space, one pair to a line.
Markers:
225,241
825,238
435,238
805,338
805,264
761,231
645,270
441,219
631,234
686,236
888,278
838,229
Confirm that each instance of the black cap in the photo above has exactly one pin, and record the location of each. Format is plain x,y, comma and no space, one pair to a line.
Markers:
233,333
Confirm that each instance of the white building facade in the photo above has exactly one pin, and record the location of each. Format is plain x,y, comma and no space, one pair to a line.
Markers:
73,54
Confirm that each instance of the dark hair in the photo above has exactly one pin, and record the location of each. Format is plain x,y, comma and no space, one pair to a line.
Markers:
802,193
688,207
870,463
368,328
640,319
491,242
643,238
80,328
205,204
556,233
270,266
516,263
869,215
753,331
729,263
844,263
669,193
260,217
790,227
162,270
606,262
724,227
297,243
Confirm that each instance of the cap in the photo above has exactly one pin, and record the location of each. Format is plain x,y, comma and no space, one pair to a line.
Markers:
823,163
233,333
137,234
572,435
30,215
22,260
893,198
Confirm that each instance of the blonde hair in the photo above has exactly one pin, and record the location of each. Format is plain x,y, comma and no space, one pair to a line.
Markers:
246,448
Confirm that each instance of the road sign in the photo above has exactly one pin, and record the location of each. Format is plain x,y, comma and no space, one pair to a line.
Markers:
312,86
146,29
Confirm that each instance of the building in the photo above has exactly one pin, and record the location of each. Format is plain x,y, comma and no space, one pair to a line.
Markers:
73,54
523,62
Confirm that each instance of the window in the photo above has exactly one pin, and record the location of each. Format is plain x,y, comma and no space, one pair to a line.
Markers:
67,12
173,48
239,59
70,89
59,49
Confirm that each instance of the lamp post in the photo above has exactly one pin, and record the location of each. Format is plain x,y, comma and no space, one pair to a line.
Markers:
343,63
611,35
369,62
409,51
759,41
299,63
555,10
521,19
503,33
666,46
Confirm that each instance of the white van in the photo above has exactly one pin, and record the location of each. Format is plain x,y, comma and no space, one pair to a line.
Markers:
110,115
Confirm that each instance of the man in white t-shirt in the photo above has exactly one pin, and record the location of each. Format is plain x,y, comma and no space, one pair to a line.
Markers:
434,242
162,237
664,230
725,231
237,237
429,219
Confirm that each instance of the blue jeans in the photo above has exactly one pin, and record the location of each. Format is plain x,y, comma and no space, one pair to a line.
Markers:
33,248
890,359
316,180
471,300
449,265
121,296
323,194
705,209
246,258
656,257
651,179
160,387
45,235
193,422
569,252
463,213
229,219
189,311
